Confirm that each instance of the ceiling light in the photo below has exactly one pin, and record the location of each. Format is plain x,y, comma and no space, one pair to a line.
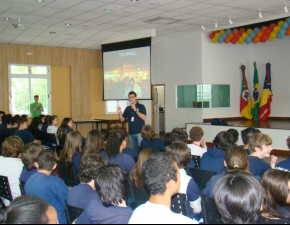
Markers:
260,14
40,1
19,26
285,8
202,27
215,24
230,20
7,18
68,24
134,0
108,10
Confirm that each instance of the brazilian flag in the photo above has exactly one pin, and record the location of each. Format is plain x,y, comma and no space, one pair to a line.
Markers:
256,95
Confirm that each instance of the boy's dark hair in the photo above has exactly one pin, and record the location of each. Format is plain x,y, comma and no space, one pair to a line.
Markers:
167,139
46,160
235,134
12,147
180,151
3,113
89,166
21,121
196,133
36,96
132,93
113,145
238,197
30,154
157,171
178,134
105,134
223,140
246,133
288,142
25,210
112,185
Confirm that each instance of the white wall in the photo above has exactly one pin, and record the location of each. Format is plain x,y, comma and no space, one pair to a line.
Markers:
193,59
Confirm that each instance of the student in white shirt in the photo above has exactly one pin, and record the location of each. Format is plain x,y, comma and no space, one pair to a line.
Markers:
11,165
198,146
161,177
52,128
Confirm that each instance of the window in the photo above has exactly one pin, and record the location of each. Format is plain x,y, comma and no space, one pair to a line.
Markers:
111,106
25,81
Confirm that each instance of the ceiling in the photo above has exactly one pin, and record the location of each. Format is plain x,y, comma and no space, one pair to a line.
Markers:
91,25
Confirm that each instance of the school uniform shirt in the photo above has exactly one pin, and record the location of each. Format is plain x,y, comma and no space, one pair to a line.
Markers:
25,135
53,130
26,174
81,195
153,213
52,189
284,165
76,160
258,166
131,152
196,150
213,160
96,213
156,143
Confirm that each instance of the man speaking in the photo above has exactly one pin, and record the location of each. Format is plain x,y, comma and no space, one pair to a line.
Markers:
136,115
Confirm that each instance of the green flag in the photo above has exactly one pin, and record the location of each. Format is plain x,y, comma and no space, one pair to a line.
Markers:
256,95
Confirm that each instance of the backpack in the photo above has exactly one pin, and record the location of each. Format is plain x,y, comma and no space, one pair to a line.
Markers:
219,122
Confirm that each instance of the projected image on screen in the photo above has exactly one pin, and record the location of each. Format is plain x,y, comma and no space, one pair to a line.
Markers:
127,70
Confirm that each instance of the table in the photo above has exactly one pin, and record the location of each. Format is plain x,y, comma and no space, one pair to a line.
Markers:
115,122
97,122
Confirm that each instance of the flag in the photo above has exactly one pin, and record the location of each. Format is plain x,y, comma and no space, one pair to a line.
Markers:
256,95
266,99
245,102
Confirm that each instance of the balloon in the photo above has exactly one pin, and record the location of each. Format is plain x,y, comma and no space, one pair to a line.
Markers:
217,35
241,40
271,38
256,30
224,35
256,39
235,31
272,25
280,23
237,35
273,34
248,42
280,36
245,35
211,36
234,40
288,20
263,40
228,31
264,28
242,30
252,35
288,28
265,36
282,31
287,33
215,40
249,31
285,25
248,39
222,31
227,40
231,35
221,40
276,29
268,31
260,33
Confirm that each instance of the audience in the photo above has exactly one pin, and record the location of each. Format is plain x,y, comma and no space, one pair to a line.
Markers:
72,151
179,150
34,127
46,122
136,174
28,210
105,134
236,159
127,150
149,140
52,128
11,165
29,159
167,139
112,187
285,164
178,134
12,126
116,143
25,134
2,113
260,148
94,143
198,146
235,135
50,188
213,159
3,127
41,122
246,133
276,189
238,198
81,195
65,128
161,177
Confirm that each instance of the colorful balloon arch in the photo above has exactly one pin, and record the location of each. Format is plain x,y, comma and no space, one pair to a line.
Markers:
263,34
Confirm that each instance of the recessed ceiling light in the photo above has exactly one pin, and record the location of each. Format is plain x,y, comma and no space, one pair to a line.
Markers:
7,18
108,10
134,0
68,24
40,1
52,32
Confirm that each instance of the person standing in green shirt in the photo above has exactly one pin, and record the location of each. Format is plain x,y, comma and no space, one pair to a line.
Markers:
36,107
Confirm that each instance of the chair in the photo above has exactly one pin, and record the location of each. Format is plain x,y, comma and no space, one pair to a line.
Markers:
5,191
138,195
209,211
201,177
21,186
196,160
179,204
264,220
72,212
52,142
67,174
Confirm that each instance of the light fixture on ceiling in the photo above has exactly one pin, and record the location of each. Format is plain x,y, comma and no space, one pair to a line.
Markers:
202,26
40,1
68,24
19,26
108,10
216,24
7,18
134,0
260,14
285,8
230,21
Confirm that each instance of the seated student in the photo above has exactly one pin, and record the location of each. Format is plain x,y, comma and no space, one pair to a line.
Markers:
94,143
50,188
29,158
112,187
260,148
46,122
34,127
161,177
167,139
127,150
276,188
246,133
113,152
11,165
178,134
25,134
181,153
105,134
136,173
213,159
40,122
238,197
235,135
285,164
149,140
198,146
81,195
24,116
12,126
72,151
52,128
236,159
3,127
2,113
28,210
